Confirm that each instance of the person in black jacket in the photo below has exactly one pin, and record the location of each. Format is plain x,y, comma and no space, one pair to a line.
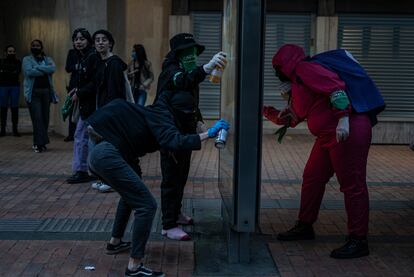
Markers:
181,73
123,132
81,62
10,69
109,79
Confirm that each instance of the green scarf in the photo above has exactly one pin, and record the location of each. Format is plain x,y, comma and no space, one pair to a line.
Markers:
188,58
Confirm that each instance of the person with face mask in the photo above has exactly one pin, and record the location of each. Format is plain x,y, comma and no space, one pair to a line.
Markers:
341,147
140,74
81,63
180,72
39,92
10,68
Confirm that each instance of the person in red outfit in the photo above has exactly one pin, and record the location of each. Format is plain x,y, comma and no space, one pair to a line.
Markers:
342,142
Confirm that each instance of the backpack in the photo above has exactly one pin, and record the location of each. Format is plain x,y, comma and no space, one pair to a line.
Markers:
364,95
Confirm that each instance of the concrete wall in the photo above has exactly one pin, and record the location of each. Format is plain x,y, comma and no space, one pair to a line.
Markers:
48,21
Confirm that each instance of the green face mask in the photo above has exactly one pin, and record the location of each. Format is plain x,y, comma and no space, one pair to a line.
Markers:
188,58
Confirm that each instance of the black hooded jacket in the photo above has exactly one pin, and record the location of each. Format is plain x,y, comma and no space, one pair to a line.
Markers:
136,130
110,80
184,81
82,69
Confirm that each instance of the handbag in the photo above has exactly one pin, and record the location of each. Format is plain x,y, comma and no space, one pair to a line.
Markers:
67,107
128,91
75,112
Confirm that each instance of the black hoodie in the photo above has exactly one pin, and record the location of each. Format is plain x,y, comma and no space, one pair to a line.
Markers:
136,130
184,81
110,80
82,69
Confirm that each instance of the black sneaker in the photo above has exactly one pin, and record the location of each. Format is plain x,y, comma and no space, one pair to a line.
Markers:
112,249
301,231
355,247
143,271
79,177
37,148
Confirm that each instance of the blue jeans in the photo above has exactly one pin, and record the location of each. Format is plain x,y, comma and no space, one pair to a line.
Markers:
80,147
106,162
9,97
140,96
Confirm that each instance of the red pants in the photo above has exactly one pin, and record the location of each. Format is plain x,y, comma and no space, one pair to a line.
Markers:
348,160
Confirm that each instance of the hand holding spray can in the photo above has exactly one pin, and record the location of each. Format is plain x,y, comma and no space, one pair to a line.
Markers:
215,75
220,142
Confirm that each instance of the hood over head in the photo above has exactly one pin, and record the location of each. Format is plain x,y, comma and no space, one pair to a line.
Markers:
287,58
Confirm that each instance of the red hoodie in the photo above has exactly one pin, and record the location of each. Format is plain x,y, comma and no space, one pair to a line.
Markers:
312,86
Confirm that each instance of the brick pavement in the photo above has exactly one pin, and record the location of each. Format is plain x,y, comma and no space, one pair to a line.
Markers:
33,187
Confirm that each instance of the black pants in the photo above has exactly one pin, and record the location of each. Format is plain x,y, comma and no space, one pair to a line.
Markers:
106,162
175,167
39,113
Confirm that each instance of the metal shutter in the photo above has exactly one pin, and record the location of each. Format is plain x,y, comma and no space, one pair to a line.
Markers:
384,45
207,31
281,29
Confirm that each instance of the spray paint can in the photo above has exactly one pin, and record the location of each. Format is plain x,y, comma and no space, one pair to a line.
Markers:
220,142
215,75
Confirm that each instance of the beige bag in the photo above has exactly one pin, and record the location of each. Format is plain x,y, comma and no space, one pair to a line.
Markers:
75,112
128,90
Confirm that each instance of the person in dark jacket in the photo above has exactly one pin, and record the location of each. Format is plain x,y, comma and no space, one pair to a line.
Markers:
123,132
10,69
181,73
82,64
109,79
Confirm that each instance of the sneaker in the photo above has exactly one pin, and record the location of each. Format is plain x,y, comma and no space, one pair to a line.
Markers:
301,231
176,234
101,187
37,149
143,271
185,220
355,247
79,177
112,249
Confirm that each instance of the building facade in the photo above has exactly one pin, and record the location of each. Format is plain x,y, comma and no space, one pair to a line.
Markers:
380,34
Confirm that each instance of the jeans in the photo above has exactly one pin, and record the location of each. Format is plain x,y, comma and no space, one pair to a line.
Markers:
175,167
80,147
9,97
106,162
39,113
140,96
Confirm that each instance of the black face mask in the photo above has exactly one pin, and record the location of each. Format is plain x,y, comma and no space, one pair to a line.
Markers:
282,77
11,56
35,51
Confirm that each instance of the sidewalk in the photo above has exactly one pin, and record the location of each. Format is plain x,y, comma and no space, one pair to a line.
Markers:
50,228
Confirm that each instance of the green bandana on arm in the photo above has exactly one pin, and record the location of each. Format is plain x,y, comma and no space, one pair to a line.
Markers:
339,100
188,58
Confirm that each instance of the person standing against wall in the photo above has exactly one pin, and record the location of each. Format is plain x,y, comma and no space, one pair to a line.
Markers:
82,64
109,80
10,68
140,74
181,73
39,92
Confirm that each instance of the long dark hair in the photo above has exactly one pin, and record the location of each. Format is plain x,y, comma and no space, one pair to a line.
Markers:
142,59
84,33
